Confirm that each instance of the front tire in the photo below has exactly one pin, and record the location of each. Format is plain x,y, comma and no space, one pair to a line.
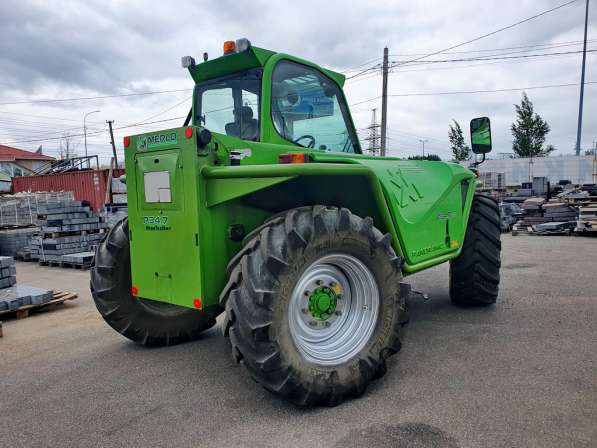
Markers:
475,273
144,321
313,307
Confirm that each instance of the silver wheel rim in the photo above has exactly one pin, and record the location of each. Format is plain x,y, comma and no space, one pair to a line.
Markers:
342,336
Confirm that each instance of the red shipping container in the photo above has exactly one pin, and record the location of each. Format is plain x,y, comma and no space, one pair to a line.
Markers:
87,185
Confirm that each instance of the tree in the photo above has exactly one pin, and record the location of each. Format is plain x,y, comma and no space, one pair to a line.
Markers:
432,157
460,151
529,131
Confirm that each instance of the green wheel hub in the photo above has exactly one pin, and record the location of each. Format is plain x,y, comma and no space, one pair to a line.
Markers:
322,303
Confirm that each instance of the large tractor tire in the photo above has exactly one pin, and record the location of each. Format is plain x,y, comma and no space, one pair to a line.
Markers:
144,321
475,273
313,306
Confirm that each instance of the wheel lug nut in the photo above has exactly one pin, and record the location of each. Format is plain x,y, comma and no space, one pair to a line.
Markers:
338,313
326,323
305,310
307,293
333,284
319,282
313,323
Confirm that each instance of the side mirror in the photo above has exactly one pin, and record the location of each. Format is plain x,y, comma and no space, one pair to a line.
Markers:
481,135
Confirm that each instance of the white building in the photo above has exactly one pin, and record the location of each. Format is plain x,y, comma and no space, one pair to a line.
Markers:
577,169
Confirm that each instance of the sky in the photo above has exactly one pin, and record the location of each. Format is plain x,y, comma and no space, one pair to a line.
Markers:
61,50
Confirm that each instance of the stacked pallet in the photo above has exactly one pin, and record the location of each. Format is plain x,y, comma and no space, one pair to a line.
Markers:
8,272
558,212
533,213
587,220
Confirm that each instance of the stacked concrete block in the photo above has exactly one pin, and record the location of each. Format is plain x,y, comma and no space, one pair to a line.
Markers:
13,241
18,296
66,228
8,272
114,213
22,209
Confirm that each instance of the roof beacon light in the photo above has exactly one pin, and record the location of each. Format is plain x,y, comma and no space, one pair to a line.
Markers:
242,44
229,47
187,61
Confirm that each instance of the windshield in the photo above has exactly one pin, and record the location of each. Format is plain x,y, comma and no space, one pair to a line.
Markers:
230,105
309,110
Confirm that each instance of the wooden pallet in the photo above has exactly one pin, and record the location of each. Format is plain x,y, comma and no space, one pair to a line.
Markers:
59,298
65,264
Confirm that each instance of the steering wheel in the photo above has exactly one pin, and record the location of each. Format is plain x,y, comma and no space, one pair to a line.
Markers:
310,137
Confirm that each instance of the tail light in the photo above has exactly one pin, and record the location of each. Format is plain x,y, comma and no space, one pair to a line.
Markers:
126,141
293,157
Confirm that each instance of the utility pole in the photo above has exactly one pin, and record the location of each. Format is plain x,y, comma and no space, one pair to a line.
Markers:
582,82
423,141
85,132
373,137
595,162
384,101
112,141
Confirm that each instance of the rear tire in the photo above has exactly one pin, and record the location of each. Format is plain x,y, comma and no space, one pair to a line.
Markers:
475,273
147,322
305,359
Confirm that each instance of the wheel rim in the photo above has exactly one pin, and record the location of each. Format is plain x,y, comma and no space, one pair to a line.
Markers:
331,330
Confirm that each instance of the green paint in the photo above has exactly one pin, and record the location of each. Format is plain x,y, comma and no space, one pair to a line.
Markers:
151,141
180,248
322,303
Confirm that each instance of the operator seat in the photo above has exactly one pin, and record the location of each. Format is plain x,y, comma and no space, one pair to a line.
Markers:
244,125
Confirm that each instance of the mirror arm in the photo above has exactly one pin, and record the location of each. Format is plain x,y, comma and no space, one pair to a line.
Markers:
476,163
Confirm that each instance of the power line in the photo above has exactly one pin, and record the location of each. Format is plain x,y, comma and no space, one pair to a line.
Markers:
96,132
511,89
58,100
483,36
530,47
496,57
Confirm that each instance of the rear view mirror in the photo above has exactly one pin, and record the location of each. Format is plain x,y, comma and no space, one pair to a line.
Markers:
481,135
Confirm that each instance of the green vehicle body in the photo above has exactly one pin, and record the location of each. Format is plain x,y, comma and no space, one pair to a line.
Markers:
180,249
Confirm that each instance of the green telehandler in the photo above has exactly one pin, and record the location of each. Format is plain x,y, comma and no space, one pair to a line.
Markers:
264,206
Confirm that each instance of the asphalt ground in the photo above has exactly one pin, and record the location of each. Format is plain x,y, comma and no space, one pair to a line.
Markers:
522,373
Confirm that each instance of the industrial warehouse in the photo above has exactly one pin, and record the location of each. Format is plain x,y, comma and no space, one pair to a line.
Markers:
281,226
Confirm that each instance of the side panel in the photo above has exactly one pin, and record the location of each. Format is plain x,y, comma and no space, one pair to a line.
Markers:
163,197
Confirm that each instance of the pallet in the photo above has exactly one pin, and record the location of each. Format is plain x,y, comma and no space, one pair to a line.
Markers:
64,264
59,298
45,235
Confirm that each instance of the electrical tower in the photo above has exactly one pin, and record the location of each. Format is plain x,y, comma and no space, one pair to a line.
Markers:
373,138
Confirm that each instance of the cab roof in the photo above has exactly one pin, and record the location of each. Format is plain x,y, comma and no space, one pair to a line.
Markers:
254,57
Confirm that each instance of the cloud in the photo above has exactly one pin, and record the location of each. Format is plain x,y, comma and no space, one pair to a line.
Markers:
66,49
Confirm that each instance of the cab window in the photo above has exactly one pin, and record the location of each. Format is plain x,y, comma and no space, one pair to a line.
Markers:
309,110
230,105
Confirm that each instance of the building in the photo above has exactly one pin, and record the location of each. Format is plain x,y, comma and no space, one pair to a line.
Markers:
576,169
18,162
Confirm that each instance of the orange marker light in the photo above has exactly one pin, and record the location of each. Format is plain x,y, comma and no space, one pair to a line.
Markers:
197,303
188,132
126,141
295,157
229,47
134,290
